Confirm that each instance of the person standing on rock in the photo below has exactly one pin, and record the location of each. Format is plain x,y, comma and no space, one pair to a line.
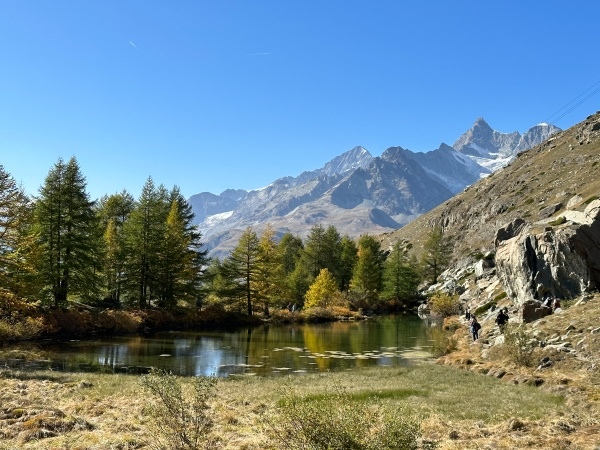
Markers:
474,328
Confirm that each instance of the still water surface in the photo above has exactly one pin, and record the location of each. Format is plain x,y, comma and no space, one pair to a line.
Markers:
266,350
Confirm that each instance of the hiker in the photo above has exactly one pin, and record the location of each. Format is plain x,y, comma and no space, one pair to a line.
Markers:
474,328
468,314
547,302
501,320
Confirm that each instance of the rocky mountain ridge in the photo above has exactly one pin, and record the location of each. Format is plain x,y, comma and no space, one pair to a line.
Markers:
355,192
538,219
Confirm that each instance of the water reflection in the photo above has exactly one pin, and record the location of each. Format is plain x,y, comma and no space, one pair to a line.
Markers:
266,350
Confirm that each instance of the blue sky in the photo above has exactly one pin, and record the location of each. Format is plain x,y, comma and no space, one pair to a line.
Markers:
210,95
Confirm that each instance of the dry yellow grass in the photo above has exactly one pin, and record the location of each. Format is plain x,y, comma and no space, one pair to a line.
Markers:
459,408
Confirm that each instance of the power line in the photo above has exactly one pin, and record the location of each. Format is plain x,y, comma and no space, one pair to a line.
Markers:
571,108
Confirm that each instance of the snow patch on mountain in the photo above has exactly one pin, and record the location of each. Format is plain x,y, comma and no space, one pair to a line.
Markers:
213,220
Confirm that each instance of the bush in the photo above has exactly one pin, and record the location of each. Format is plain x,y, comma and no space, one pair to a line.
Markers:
337,421
517,345
180,414
558,221
19,320
444,305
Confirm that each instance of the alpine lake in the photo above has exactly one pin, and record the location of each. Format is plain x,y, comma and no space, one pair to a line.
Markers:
266,350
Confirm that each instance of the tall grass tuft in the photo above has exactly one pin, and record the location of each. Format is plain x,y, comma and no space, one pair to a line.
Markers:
180,415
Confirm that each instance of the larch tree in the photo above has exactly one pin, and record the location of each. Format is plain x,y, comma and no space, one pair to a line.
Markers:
15,209
182,259
144,233
113,211
400,275
242,267
437,253
270,281
66,228
348,258
323,292
367,275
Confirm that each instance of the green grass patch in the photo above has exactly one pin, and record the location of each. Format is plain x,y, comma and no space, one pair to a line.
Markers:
500,296
558,221
485,307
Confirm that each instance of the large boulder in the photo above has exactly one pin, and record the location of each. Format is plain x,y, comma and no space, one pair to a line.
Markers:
561,261
533,310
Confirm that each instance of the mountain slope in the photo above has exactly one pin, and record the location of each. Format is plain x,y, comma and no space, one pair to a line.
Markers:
565,168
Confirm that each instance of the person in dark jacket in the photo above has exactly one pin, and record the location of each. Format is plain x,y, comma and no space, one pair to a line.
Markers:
474,327
502,320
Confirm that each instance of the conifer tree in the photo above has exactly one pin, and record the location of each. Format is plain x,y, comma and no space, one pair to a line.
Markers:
144,233
290,249
67,232
437,252
367,276
400,275
323,292
15,216
348,258
193,258
113,211
314,257
270,281
241,268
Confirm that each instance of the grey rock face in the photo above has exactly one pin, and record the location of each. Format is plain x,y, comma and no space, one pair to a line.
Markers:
563,262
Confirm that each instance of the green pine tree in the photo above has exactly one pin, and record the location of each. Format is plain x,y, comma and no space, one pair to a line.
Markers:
67,232
144,233
367,276
241,268
400,276
437,253
113,211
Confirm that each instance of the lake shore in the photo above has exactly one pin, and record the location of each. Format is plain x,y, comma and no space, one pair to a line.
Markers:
468,400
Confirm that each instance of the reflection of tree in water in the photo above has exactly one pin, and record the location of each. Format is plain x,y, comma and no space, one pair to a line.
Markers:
262,349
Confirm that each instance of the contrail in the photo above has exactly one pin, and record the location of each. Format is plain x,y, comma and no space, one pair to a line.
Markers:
133,45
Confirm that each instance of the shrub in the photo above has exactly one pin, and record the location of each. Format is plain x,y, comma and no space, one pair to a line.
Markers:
19,320
179,413
444,305
518,345
558,221
319,314
337,421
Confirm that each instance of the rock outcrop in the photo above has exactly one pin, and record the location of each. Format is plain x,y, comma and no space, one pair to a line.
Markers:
562,261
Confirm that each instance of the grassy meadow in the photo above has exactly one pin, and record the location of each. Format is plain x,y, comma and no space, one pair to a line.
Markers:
455,408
